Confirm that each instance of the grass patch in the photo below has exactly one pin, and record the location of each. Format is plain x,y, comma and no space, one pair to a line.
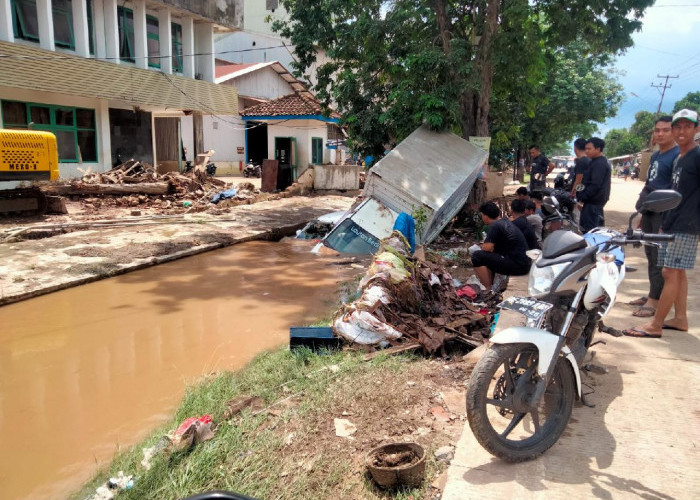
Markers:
289,450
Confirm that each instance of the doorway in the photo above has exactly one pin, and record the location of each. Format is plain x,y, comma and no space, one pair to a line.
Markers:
285,154
256,142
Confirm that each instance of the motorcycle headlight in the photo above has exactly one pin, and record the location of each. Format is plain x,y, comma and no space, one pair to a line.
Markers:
541,278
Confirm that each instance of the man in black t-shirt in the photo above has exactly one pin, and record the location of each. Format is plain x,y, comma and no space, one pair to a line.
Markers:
540,167
683,222
503,250
519,220
596,186
580,163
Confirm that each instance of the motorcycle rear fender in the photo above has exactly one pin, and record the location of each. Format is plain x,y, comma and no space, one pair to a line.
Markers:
546,344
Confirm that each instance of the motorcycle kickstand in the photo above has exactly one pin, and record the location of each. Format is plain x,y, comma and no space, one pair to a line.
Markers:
584,401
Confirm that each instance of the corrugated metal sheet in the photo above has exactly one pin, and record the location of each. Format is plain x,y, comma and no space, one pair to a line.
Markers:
436,168
26,67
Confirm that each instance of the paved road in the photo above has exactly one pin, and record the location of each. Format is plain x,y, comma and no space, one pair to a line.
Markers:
641,439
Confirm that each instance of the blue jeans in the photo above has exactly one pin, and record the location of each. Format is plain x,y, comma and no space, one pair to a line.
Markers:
591,216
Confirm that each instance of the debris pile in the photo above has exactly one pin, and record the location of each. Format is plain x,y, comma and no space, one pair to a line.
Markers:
405,300
138,184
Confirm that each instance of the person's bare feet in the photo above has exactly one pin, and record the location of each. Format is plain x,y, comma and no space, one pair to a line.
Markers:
676,324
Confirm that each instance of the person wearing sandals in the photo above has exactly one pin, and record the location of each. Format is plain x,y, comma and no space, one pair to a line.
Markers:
679,255
659,177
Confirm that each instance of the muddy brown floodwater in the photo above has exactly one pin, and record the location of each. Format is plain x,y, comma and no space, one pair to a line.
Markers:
89,369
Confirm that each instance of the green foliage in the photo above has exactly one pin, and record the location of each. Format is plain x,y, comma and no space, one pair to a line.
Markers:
690,101
539,71
420,216
622,141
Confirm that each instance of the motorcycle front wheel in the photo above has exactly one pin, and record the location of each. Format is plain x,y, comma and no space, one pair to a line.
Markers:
501,384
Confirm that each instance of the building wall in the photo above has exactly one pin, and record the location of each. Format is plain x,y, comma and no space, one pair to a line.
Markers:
302,131
262,84
225,134
198,38
256,11
247,47
227,13
101,108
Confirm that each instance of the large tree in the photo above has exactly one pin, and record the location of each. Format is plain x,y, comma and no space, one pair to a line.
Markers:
690,101
396,64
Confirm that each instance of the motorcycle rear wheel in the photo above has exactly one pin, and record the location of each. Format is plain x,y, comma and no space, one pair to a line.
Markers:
495,403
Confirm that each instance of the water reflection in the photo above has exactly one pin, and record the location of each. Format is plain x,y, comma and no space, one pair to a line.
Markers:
85,370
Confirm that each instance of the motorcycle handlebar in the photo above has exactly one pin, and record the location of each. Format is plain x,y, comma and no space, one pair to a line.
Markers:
639,236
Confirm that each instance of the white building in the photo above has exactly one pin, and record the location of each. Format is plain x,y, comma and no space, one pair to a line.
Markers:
115,79
257,43
279,120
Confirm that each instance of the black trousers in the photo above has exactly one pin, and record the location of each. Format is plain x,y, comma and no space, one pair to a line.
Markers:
651,223
500,264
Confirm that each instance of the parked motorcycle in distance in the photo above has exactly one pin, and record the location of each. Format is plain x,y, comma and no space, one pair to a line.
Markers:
521,392
252,170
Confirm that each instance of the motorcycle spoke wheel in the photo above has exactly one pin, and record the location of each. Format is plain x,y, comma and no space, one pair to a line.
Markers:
498,406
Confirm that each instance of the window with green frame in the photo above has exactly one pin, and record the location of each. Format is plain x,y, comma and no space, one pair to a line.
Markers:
26,24
153,41
91,27
125,21
24,20
316,150
176,34
62,12
74,128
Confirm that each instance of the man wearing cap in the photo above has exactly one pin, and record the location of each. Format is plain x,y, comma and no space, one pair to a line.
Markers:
683,222
539,169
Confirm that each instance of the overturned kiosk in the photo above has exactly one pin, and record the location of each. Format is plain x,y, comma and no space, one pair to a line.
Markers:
428,172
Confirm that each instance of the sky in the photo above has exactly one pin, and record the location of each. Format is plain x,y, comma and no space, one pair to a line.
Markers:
668,44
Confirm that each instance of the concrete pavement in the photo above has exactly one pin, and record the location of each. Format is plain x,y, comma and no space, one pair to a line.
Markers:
639,441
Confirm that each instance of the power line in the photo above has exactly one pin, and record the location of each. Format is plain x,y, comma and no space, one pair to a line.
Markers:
94,58
663,91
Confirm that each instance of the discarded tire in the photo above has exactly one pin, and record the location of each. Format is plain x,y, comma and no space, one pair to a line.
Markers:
409,468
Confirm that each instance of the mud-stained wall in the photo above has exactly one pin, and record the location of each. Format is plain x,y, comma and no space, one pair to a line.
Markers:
227,13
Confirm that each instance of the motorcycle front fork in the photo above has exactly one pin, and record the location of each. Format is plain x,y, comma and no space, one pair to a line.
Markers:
543,382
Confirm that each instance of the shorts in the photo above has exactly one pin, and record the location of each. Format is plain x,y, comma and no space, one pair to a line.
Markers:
679,253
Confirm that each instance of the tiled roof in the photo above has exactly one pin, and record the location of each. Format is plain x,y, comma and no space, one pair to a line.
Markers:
32,68
297,104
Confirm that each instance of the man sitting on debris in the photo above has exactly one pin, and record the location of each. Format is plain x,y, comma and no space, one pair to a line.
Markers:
518,218
503,250
522,193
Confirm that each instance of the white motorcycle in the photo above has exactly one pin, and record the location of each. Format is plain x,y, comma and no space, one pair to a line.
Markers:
522,390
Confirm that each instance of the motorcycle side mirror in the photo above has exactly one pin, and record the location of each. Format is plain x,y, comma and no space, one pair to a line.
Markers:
551,203
661,200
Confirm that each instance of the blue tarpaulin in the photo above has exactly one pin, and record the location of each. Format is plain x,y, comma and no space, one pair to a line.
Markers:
223,195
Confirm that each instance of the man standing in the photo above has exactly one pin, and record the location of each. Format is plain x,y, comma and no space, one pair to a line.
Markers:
539,169
596,186
580,163
503,250
684,223
659,177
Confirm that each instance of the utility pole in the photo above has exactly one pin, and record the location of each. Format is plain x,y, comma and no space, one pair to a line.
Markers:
663,91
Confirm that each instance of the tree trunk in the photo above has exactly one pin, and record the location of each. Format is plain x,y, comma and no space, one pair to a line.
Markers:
484,67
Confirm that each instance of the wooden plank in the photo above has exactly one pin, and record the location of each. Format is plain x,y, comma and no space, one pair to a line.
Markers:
398,349
116,189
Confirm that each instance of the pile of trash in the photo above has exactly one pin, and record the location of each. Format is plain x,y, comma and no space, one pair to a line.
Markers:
404,299
129,172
